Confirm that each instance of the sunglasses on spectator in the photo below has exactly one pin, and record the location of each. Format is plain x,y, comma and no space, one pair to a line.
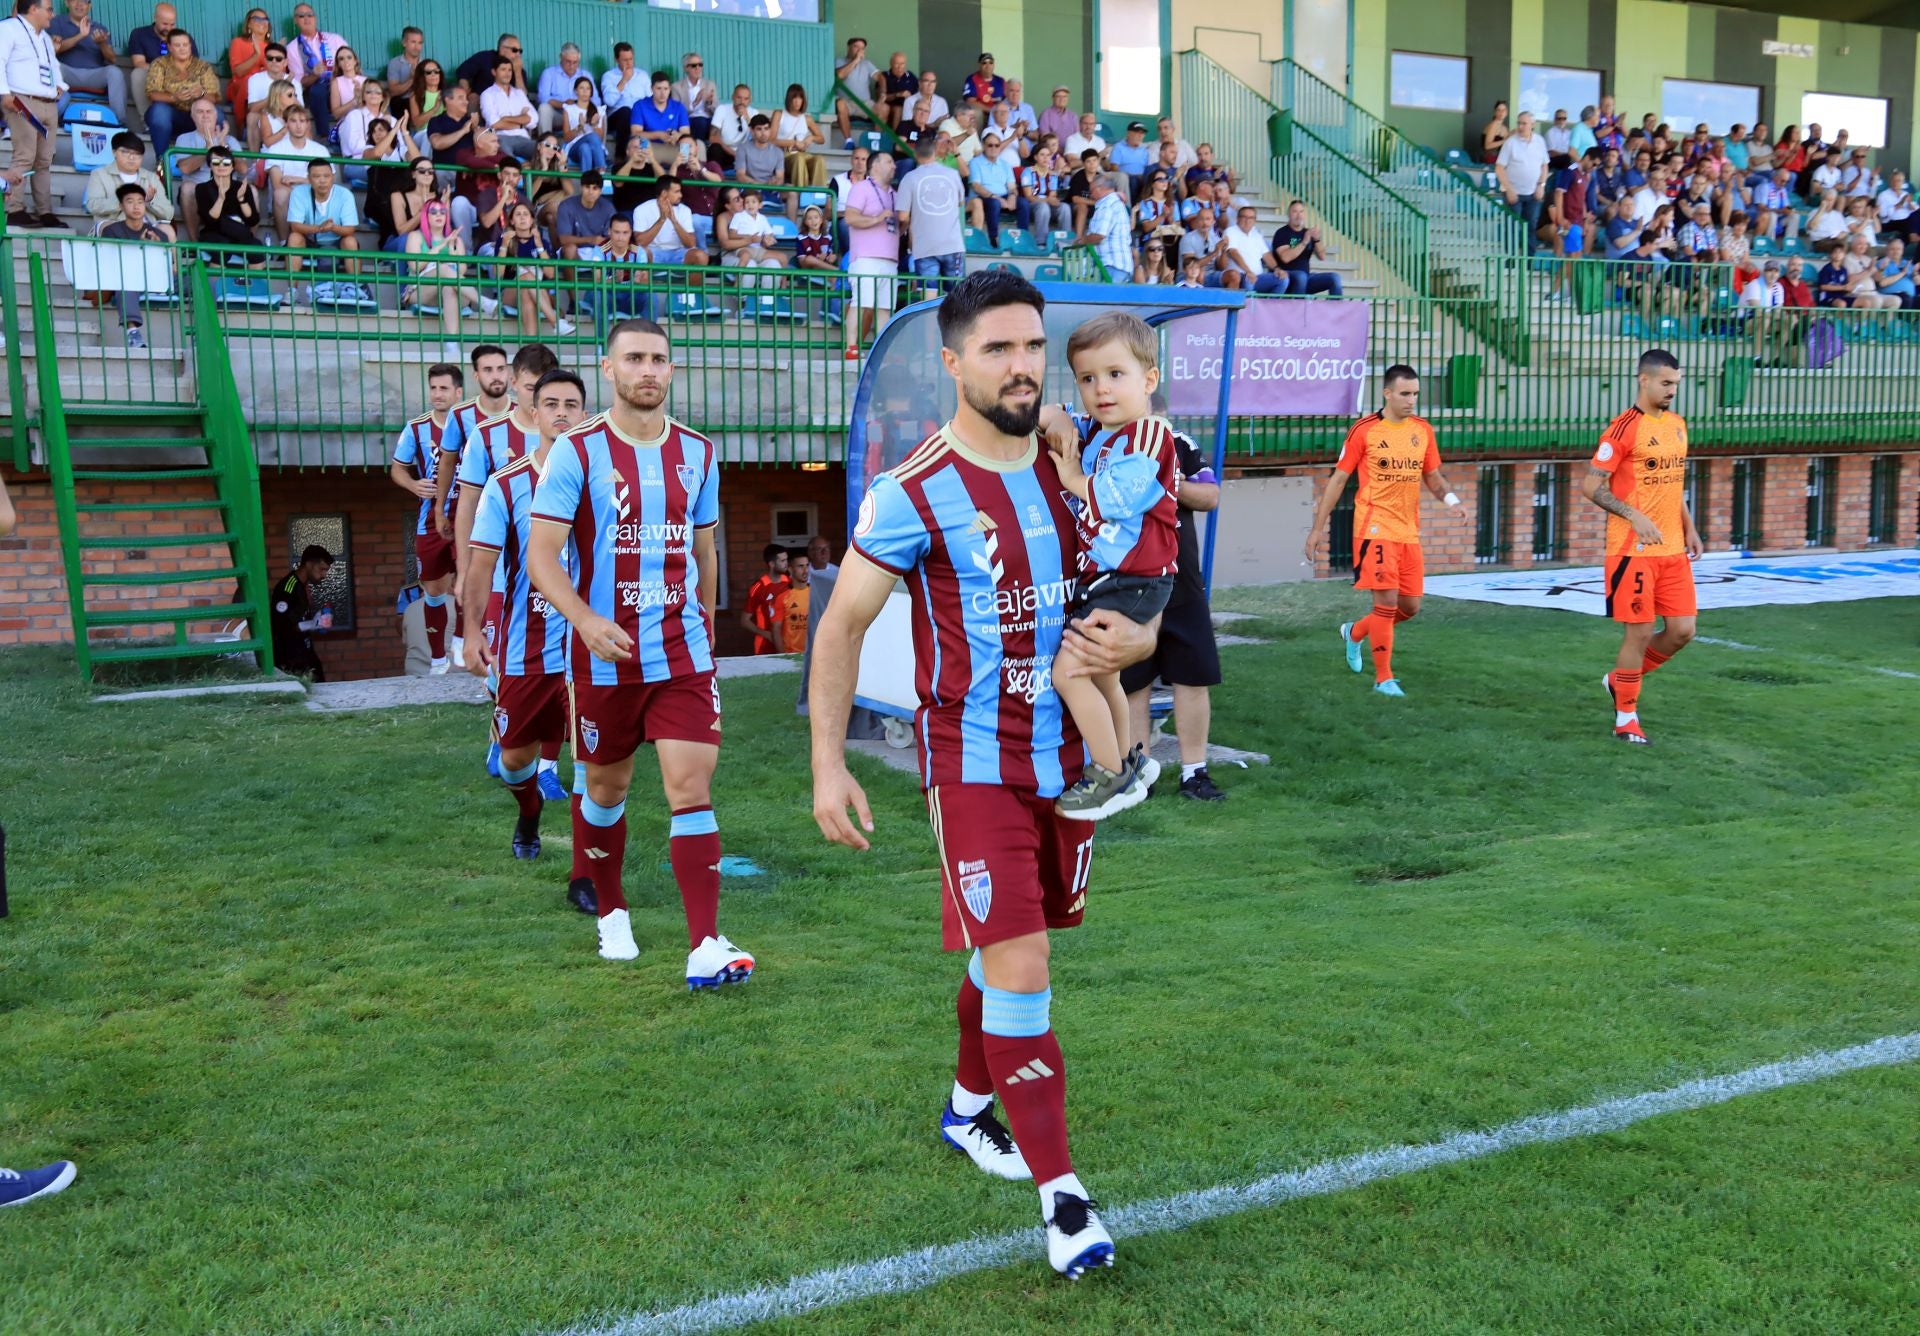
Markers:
696,65
423,170
271,59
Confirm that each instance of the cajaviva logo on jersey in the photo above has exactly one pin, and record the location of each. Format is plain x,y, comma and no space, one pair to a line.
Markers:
1016,607
630,537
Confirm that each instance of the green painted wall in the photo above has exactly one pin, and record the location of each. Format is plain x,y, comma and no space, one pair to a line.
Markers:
1042,42
1635,44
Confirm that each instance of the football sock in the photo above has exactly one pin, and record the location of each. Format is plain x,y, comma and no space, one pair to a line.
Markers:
601,832
1068,1183
580,860
549,753
1626,696
1400,614
1653,660
971,1074
1030,1076
1358,631
520,783
694,847
1380,630
436,616
553,764
459,621
1187,772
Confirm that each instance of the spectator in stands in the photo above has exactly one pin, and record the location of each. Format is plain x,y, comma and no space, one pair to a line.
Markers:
1894,273
663,122
984,90
1567,227
1639,169
87,58
257,87
1021,113
915,128
1296,246
521,241
131,223
993,190
797,135
1759,155
759,159
1000,121
434,250
622,88
400,70
495,200
1193,272
549,179
732,126
1080,187
1521,167
1496,132
1607,183
1205,170
634,178
268,127
1730,193
452,132
1825,173
872,213
1156,207
930,208
1153,267
926,94
1167,163
1860,220
1864,289
146,46
1772,202
624,282
897,83
321,216
663,227
963,139
1857,179
355,128
209,131
1794,283
1248,257
581,221
1585,132
586,147
103,184
1086,135
408,200
505,110
698,94
172,85
227,208
1043,183
1057,117
1828,221
1109,230
859,157
1205,242
1185,154
476,71
343,89
761,249
1791,152
310,60
1894,205
813,248
858,74
426,102
1132,157
248,66
1558,135
555,91
1833,285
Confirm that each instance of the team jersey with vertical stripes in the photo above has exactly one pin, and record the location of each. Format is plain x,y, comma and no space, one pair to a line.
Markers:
1646,454
632,508
1130,522
463,420
988,552
532,637
1390,459
495,443
419,449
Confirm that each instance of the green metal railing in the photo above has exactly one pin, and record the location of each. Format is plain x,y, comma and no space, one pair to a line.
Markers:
232,450
53,439
19,419
879,123
1292,162
1466,220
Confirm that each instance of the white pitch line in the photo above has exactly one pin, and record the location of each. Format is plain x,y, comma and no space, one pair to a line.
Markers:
1820,659
907,1272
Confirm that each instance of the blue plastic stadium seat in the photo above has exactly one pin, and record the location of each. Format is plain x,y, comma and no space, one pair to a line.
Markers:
1457,157
1002,264
1020,241
976,241
1050,272
784,228
1057,240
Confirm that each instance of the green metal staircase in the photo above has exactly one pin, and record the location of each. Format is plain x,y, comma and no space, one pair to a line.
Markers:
97,451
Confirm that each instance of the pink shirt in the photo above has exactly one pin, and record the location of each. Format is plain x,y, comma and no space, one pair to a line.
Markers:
873,243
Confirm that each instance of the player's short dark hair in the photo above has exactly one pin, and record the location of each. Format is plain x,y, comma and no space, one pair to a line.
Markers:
771,550
560,376
129,141
798,554
1398,372
1657,359
449,370
534,359
636,324
976,294
486,350
314,552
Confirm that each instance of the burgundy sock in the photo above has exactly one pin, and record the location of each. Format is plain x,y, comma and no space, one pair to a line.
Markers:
527,794
694,848
971,1072
604,849
580,861
1031,1078
436,618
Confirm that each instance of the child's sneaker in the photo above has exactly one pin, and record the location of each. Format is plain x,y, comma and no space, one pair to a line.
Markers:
1102,792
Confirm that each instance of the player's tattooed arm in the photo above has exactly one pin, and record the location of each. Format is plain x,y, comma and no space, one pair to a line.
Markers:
1595,488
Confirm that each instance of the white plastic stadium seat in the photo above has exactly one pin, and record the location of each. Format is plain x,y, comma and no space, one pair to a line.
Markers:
106,266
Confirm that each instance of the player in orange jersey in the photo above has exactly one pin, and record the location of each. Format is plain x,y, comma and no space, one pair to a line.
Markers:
1639,478
1394,452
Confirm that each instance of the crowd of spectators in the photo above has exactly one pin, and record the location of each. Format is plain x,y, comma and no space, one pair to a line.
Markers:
311,151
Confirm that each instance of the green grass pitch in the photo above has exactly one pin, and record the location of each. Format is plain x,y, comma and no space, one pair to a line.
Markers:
331,1061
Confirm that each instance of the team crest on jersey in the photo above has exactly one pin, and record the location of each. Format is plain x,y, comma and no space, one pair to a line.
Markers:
500,722
689,477
590,734
865,524
976,886
1605,452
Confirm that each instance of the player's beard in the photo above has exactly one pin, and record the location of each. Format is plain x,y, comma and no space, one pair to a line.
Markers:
643,398
1003,417
496,390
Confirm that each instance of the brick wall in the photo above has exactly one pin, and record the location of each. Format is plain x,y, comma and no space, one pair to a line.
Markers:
33,598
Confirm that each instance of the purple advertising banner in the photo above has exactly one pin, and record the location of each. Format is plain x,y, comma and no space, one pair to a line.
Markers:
1302,357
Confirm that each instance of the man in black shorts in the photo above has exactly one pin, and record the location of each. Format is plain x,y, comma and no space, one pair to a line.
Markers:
1186,657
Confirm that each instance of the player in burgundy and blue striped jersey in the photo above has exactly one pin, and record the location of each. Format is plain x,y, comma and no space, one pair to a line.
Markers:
637,496
495,443
976,522
493,383
528,653
415,457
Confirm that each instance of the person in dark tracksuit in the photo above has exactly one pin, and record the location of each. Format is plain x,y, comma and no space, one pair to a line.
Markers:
291,615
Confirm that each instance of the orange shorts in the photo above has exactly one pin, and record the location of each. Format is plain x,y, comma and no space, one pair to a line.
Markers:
1642,588
1379,564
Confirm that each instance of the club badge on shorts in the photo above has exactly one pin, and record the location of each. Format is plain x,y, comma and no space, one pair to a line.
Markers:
590,734
500,723
976,886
